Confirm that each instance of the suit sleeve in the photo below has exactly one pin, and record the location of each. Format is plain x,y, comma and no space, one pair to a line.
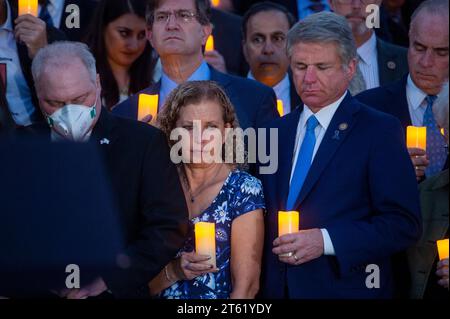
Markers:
267,110
395,222
163,225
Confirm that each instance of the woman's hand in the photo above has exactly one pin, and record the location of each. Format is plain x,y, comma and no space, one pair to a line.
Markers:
191,265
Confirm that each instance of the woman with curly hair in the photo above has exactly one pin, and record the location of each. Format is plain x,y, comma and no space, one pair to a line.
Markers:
217,191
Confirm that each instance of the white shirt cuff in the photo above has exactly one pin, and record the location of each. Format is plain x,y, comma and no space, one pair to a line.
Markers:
328,248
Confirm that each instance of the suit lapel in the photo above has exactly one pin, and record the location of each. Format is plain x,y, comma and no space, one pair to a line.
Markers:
223,79
340,126
103,134
399,104
287,135
387,63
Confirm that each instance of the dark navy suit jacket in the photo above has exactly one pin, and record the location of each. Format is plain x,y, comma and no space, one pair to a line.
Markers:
361,187
254,103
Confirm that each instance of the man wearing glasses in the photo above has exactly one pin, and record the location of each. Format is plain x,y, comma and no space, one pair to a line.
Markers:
380,62
178,30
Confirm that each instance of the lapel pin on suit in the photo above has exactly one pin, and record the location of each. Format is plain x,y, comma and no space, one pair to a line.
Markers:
342,127
104,141
391,65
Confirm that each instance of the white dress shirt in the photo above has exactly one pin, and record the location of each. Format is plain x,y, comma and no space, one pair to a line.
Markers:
282,91
55,9
18,93
417,104
324,117
368,63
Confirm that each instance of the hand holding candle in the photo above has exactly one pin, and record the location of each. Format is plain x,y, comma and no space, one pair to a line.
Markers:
205,241
288,223
148,106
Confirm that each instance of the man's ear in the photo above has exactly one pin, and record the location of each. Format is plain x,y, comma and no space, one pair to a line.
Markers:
149,34
207,31
351,69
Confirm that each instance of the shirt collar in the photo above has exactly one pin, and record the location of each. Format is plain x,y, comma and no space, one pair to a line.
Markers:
368,50
325,115
8,26
203,73
415,95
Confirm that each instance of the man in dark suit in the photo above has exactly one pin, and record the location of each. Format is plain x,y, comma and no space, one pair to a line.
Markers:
20,39
265,27
179,39
143,178
410,99
379,62
345,168
73,17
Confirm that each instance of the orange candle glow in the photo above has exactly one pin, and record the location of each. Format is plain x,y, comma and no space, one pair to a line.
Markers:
210,44
443,131
416,137
280,107
28,7
148,105
443,248
288,222
205,240
215,3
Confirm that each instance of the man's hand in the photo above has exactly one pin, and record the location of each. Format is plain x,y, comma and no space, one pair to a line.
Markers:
419,160
304,246
32,32
217,61
442,272
96,288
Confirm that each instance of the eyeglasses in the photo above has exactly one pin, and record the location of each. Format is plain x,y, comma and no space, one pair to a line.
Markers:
183,16
351,1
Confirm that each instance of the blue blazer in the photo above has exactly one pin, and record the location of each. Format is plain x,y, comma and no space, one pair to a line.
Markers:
362,188
254,103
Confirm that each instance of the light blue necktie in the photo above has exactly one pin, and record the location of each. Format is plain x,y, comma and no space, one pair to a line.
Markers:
303,162
436,151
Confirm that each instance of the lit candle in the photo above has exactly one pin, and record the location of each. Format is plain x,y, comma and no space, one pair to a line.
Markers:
443,131
280,107
442,248
209,44
148,105
28,7
205,240
215,3
288,222
416,137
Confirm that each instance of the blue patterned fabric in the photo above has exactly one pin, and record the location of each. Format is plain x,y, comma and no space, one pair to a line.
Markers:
241,193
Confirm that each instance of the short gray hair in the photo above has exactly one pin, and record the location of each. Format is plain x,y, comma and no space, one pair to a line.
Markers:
440,108
61,54
436,7
324,27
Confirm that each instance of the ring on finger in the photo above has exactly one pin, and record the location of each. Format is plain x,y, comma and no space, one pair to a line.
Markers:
295,257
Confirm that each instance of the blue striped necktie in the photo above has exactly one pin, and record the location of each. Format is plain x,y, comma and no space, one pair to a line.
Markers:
303,164
436,151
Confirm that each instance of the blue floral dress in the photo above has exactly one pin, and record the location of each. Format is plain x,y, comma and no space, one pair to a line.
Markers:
241,193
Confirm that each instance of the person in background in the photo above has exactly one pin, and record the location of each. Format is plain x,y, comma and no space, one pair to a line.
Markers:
123,54
379,62
429,276
411,98
20,39
65,14
264,28
144,181
6,122
178,31
216,192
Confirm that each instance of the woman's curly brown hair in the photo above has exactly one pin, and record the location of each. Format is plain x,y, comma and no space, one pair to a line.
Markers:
195,92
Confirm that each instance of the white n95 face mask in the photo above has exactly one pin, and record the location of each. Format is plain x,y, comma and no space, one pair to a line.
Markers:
73,122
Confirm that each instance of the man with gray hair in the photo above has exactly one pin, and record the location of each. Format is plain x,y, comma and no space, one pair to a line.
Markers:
411,99
136,156
346,169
